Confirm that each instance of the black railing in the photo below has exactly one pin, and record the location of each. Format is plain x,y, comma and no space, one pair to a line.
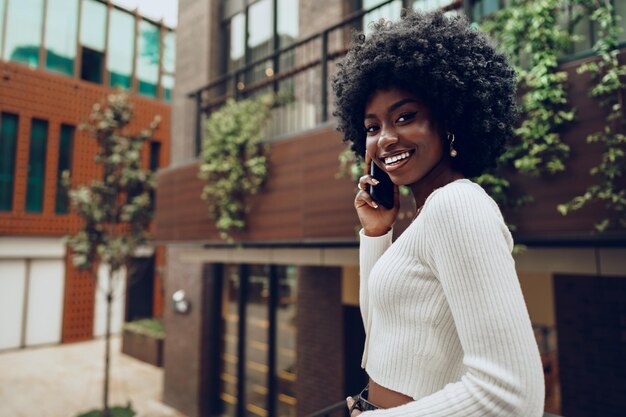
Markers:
298,73
333,410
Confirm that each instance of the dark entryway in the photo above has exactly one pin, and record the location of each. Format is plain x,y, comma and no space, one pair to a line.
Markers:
140,300
591,323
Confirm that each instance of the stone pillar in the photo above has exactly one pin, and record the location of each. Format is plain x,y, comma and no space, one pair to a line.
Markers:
197,49
320,362
191,351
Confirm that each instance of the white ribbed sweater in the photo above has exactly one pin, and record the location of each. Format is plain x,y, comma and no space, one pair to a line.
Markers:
445,319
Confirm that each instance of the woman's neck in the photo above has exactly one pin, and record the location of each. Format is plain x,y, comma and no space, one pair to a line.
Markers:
440,175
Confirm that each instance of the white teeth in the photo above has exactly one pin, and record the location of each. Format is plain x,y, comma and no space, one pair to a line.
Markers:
395,158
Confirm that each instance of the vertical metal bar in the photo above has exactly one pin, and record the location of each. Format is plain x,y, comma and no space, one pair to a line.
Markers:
244,271
107,28
25,303
42,46
162,33
198,142
78,62
4,29
134,83
272,391
276,60
324,64
236,85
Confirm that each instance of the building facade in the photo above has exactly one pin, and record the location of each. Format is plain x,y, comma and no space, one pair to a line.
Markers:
59,58
274,327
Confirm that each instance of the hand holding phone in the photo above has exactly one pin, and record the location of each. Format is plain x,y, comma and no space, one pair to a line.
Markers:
383,193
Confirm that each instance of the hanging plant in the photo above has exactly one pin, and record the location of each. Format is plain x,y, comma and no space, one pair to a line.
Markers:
609,87
233,160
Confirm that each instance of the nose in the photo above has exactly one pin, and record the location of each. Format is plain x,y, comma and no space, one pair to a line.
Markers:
387,137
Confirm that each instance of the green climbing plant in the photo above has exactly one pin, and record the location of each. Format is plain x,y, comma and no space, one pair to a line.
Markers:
233,160
528,32
608,88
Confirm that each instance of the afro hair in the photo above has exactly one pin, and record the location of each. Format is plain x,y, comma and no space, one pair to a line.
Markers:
468,85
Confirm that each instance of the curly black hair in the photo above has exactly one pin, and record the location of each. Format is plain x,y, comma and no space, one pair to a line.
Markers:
468,85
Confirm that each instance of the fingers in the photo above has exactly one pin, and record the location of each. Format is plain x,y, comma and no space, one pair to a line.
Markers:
363,197
355,412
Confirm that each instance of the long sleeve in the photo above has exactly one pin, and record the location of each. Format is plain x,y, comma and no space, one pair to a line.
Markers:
470,254
370,249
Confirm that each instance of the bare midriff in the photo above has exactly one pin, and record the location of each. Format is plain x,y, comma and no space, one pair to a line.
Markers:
384,397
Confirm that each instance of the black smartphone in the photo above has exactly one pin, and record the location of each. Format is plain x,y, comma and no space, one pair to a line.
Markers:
383,192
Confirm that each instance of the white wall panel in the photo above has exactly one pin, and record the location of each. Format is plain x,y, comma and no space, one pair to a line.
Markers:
117,311
32,247
12,283
45,302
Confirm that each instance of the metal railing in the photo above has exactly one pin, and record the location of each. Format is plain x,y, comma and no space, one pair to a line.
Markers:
298,73
333,410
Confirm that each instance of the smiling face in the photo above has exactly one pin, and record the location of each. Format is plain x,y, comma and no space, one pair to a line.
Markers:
402,136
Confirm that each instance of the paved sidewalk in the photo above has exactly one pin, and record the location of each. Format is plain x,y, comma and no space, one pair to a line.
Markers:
64,380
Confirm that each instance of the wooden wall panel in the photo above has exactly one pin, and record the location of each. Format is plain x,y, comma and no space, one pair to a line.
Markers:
542,218
303,200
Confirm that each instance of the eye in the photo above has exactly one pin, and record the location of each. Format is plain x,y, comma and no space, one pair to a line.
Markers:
371,129
404,117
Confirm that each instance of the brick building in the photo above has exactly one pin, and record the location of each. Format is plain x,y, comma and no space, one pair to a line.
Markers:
57,59
274,327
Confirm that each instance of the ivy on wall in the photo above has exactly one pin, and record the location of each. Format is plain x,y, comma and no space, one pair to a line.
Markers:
609,87
531,33
233,160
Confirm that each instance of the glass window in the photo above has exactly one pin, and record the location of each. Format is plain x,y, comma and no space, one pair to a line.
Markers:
92,40
230,340
427,5
121,49
260,28
257,341
583,30
483,8
8,147
23,31
169,59
260,39
620,10
63,168
237,41
155,155
169,52
167,82
36,166
61,29
286,340
148,58
287,21
390,11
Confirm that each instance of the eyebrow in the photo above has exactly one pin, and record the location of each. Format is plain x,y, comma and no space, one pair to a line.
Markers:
393,107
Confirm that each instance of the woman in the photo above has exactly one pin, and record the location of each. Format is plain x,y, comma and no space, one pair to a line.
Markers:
430,102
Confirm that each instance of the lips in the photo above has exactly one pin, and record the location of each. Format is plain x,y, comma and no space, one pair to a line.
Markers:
396,160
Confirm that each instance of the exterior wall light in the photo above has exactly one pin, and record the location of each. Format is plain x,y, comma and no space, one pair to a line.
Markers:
180,304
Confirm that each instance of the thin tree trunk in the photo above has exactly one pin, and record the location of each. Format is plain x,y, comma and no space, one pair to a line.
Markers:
107,346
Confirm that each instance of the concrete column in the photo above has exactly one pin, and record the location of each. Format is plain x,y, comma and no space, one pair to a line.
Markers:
187,355
197,46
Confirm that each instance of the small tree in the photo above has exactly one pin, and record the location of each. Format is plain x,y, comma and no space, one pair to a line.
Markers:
116,209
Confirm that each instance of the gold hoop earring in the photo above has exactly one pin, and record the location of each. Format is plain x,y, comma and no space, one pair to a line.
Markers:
453,152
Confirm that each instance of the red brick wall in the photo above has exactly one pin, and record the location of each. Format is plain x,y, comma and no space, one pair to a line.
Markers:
64,100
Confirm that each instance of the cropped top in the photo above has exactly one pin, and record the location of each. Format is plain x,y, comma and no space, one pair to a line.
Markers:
444,314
